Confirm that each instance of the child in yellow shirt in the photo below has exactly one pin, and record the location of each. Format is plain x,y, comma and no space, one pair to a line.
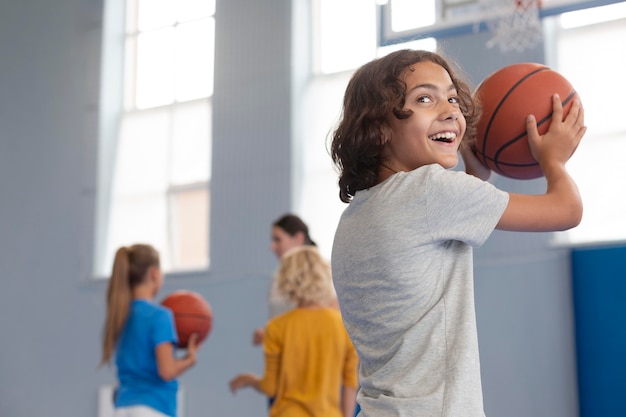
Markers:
310,361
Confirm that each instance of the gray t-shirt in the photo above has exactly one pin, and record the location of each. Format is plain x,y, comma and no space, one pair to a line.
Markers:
402,267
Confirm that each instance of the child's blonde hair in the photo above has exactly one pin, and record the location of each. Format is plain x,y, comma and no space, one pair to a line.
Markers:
304,277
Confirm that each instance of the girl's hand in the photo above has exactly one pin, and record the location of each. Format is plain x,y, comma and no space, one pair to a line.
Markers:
192,348
244,380
563,137
257,336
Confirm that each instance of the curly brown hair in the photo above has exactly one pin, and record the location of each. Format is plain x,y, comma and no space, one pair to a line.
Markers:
375,93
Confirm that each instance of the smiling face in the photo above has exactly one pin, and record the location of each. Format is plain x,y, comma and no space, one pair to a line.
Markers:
433,132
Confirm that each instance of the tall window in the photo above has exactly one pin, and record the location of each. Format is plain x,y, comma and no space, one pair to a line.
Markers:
160,182
344,37
585,46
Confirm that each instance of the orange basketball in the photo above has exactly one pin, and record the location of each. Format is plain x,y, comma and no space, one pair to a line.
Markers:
507,97
192,314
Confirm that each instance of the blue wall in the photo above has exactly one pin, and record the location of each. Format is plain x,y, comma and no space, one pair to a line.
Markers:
599,281
51,311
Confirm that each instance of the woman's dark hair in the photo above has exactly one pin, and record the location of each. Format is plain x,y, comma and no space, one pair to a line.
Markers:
293,224
375,93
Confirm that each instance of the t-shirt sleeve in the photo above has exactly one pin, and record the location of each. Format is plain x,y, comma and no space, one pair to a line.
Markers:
462,207
164,327
273,348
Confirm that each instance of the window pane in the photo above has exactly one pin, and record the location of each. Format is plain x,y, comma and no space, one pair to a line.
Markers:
593,16
427,44
194,59
191,146
153,14
138,218
155,68
342,48
456,10
597,165
601,179
596,84
142,153
189,228
194,9
410,14
315,171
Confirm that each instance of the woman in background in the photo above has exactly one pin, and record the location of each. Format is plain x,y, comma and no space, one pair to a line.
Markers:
288,232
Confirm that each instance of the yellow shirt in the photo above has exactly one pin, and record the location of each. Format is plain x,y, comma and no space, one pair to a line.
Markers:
308,357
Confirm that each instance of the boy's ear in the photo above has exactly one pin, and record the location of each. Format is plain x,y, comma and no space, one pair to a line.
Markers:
386,131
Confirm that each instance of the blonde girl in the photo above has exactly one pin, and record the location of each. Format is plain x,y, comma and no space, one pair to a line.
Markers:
308,355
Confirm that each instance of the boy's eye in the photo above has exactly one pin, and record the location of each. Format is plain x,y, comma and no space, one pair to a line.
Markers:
454,100
424,99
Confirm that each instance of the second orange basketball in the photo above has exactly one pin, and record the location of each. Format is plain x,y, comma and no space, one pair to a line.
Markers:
192,314
507,97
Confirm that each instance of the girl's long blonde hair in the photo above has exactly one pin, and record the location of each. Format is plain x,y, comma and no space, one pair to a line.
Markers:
304,276
129,269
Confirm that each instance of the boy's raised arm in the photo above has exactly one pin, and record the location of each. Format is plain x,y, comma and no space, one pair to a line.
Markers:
560,207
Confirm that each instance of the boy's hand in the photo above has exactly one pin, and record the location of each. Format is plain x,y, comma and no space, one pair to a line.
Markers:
472,165
563,137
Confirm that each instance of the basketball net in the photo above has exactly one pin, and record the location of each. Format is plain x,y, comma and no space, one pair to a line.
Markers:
514,24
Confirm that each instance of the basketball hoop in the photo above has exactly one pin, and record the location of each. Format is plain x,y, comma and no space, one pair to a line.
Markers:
515,24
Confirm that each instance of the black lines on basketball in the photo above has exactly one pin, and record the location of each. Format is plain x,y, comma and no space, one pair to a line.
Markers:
508,96
501,102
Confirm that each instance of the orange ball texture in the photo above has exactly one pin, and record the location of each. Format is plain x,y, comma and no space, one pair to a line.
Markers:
507,97
192,314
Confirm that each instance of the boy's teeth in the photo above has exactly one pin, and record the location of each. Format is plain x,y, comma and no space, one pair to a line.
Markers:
443,136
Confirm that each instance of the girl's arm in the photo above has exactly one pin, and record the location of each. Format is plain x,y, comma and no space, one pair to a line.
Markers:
245,380
266,385
348,401
560,208
171,367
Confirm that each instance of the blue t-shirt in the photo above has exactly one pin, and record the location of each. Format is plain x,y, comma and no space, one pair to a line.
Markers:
148,326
